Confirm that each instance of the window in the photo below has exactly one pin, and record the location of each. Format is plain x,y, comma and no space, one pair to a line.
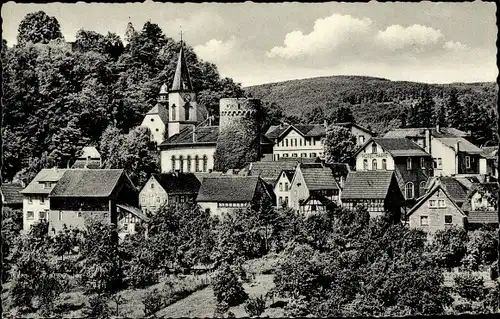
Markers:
79,214
303,155
314,141
408,163
374,148
424,221
374,164
105,215
295,142
181,164
173,163
313,154
422,188
47,185
361,139
422,162
152,185
197,163
42,215
286,187
125,227
409,191
467,162
30,215
285,155
188,164
158,199
300,142
152,120
207,210
30,199
441,203
294,155
384,163
286,200
286,142
313,208
183,199
432,203
42,200
157,130
281,201
439,163
186,111
173,112
281,187
448,219
205,160
365,164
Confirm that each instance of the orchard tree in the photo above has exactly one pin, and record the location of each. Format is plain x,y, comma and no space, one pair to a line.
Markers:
38,27
339,144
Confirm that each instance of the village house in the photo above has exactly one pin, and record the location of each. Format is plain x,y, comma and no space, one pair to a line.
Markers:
452,153
270,171
316,203
225,194
282,189
129,217
490,153
298,140
84,194
157,118
377,191
411,163
482,197
436,211
36,201
168,188
11,195
314,179
89,158
453,187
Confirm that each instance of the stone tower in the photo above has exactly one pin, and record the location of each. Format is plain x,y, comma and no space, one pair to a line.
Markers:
239,113
182,104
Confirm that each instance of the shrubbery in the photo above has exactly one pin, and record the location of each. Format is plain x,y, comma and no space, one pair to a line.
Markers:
227,287
469,286
255,306
153,302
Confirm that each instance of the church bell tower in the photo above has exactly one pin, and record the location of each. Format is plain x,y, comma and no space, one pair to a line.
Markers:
183,107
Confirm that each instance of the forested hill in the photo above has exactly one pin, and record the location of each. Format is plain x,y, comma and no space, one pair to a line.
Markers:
374,101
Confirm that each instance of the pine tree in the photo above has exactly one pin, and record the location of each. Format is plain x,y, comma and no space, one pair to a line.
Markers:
454,110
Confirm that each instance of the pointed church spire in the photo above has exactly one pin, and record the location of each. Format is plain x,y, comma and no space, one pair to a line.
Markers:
182,81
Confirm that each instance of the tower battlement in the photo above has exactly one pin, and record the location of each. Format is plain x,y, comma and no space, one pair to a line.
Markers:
238,107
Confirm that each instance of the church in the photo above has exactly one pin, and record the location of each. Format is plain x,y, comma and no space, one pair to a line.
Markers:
185,136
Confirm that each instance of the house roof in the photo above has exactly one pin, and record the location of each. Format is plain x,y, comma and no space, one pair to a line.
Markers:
203,135
395,146
83,163
11,193
420,132
232,188
271,169
90,151
339,169
429,194
45,175
161,111
367,185
318,178
201,175
182,81
87,183
480,217
134,210
307,130
455,190
483,187
464,145
181,183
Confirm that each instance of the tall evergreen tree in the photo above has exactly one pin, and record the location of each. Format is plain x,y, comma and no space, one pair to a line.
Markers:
454,109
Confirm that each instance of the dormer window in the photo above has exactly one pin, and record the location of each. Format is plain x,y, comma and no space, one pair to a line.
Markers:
374,148
47,185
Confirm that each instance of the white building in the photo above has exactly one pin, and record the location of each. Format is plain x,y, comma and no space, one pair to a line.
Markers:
157,118
36,203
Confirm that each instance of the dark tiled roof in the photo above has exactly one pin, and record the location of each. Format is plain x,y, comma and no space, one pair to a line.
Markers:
182,81
299,159
400,147
204,135
482,217
228,189
464,145
350,124
429,194
161,111
309,130
200,175
182,183
89,151
92,164
11,193
271,169
318,178
455,190
420,132
367,185
87,183
45,175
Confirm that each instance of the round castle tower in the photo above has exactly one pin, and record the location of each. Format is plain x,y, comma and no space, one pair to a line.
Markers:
240,113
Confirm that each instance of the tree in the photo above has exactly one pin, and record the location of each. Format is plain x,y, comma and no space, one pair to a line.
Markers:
227,287
67,143
315,116
423,111
38,27
339,144
341,114
449,246
455,111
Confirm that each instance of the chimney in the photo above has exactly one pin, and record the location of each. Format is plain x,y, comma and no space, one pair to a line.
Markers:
194,133
427,142
438,128
457,149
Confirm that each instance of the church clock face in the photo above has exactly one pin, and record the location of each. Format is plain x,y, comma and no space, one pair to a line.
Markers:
187,97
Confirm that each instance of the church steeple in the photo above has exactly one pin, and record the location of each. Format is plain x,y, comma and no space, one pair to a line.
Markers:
182,81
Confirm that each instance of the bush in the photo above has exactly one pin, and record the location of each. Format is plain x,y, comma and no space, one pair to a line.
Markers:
494,270
469,286
227,287
97,307
153,302
255,306
450,246
139,275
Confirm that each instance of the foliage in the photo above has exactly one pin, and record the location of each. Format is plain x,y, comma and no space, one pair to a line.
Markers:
97,307
255,306
469,286
422,112
11,226
494,270
139,273
153,302
38,27
102,267
482,248
340,113
449,246
227,287
65,241
339,144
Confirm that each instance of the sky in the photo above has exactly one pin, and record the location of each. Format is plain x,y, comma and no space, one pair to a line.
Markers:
257,43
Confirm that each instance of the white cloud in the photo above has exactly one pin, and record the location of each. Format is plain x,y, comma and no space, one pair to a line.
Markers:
416,36
328,34
216,51
455,46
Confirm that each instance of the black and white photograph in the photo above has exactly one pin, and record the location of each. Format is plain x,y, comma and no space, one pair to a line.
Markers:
249,159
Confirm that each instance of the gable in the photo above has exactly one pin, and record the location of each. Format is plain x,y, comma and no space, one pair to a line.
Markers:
432,195
147,190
